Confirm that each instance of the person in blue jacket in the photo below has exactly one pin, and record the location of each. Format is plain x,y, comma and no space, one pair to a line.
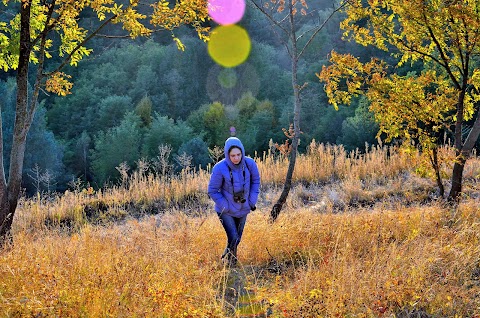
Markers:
234,187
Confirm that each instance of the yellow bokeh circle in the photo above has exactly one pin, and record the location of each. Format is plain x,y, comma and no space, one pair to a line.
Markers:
229,45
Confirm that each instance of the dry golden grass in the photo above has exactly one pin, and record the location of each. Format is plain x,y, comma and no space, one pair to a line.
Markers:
323,163
145,193
371,263
137,269
359,237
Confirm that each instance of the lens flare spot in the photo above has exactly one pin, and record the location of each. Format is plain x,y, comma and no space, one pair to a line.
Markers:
227,78
229,45
226,11
242,79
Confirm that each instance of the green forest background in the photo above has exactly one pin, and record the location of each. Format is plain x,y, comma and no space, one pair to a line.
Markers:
131,96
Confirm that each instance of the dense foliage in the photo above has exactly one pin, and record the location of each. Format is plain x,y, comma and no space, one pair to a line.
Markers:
424,105
51,35
181,98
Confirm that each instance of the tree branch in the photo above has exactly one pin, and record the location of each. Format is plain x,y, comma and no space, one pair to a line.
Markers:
36,88
48,27
270,17
275,23
127,36
292,34
442,54
67,59
319,28
458,46
413,49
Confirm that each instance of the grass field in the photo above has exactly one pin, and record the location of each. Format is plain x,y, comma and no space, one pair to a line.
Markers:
362,235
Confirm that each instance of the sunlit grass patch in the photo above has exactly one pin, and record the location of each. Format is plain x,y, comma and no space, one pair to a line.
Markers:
361,235
372,263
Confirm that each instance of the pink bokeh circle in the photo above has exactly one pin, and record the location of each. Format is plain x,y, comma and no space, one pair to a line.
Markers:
226,12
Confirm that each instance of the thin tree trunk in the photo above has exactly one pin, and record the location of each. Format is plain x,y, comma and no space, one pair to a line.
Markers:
277,207
9,197
436,167
287,26
3,188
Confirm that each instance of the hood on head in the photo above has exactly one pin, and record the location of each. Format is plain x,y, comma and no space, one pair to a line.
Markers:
229,143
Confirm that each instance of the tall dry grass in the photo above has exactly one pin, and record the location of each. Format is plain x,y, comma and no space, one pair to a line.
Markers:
392,254
322,163
146,193
372,263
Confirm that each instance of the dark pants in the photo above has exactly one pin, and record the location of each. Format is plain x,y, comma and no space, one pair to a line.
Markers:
233,228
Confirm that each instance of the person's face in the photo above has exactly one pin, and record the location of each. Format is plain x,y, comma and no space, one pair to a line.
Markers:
235,155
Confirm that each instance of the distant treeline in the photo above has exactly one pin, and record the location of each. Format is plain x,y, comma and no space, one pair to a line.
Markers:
135,96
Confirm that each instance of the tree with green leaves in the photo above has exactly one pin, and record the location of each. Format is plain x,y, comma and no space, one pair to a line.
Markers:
445,36
210,121
43,29
198,150
80,156
165,131
359,129
117,145
285,17
108,112
255,123
144,110
43,151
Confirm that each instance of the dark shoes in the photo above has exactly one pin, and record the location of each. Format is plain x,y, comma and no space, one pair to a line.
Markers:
230,257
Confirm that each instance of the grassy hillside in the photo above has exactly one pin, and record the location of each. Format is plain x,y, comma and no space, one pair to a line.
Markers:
362,235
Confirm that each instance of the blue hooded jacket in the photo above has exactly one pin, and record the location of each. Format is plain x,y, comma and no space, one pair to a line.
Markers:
245,177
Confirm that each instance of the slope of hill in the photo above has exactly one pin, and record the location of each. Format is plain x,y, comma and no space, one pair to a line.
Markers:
362,235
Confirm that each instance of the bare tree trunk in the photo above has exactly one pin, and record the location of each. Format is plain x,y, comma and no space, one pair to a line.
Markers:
4,214
457,176
9,193
277,207
462,156
436,167
286,26
463,153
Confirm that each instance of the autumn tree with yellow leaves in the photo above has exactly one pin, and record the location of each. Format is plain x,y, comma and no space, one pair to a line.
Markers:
444,35
42,29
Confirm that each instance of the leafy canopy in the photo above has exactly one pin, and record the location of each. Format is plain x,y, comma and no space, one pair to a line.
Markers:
444,35
61,19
